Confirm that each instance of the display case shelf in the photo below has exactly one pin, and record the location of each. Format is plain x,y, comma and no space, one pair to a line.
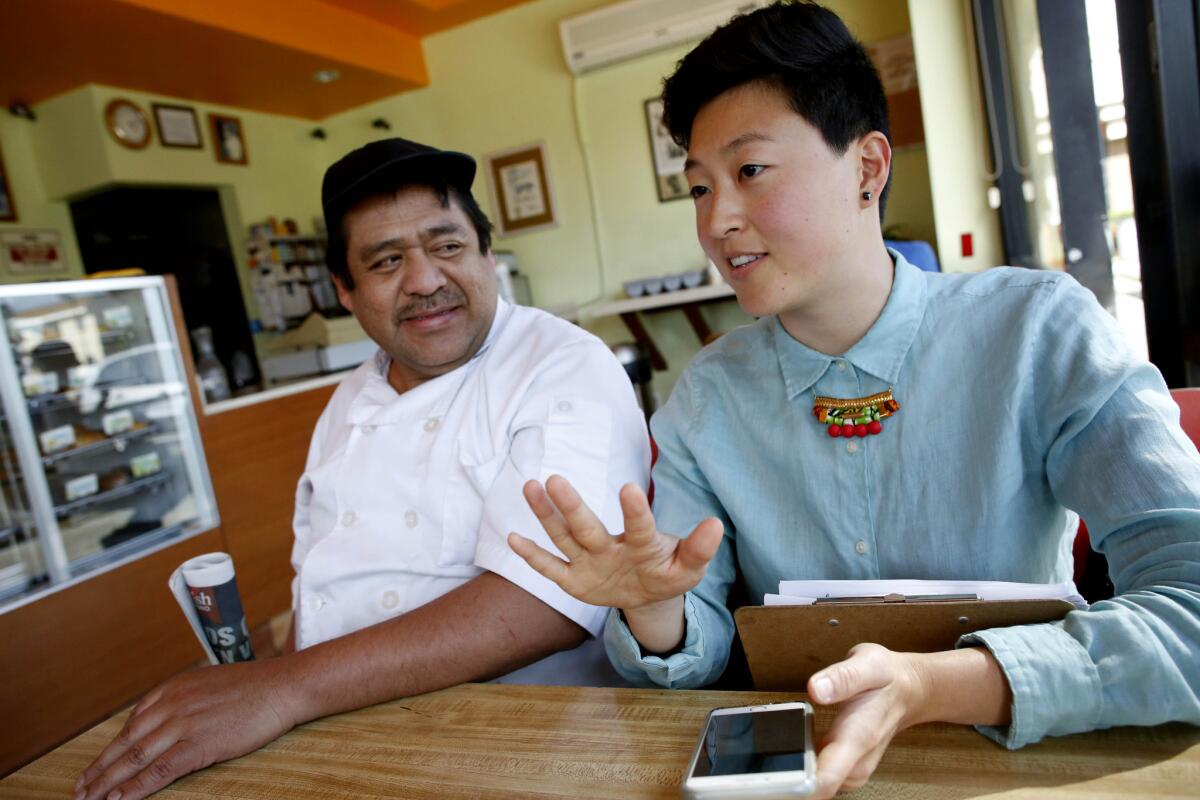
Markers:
52,401
57,347
16,589
63,399
140,542
116,493
117,441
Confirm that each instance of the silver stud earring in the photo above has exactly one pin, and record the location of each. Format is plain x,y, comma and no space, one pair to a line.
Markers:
867,196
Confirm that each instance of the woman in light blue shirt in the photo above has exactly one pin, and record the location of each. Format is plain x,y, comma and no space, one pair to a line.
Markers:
881,422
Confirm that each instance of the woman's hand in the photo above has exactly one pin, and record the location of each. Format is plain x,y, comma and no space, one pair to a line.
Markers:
882,692
633,570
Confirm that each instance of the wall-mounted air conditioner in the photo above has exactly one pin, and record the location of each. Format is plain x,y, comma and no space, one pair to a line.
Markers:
635,27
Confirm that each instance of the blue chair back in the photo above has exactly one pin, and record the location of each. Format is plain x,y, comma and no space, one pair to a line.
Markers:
919,254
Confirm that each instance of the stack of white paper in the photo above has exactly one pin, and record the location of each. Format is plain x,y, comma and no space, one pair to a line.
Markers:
801,593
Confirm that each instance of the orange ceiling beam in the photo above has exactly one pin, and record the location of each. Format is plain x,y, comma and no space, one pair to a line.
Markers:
252,55
309,26
424,17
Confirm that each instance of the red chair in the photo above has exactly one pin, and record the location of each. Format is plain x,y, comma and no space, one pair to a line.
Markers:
1091,568
1189,412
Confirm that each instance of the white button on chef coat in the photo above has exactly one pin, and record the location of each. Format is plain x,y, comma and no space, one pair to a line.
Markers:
541,397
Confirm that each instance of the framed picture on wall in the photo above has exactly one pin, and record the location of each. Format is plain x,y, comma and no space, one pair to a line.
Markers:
177,125
228,142
520,189
32,254
668,156
8,209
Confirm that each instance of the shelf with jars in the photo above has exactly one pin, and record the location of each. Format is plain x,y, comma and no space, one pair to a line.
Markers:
291,279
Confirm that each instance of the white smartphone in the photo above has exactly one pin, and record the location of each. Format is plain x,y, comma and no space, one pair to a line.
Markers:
759,752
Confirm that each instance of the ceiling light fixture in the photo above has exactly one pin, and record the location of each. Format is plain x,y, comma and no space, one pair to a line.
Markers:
326,75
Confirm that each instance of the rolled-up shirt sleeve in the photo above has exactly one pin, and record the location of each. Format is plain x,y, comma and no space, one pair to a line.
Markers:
1115,454
578,418
682,499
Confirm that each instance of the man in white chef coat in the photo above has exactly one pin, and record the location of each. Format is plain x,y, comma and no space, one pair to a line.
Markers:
404,581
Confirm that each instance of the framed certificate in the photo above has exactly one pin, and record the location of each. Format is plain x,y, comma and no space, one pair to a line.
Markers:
520,189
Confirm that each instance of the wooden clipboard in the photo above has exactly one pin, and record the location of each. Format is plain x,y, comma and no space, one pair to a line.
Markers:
785,645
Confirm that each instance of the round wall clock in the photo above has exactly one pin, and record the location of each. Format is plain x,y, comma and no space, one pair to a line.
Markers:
127,123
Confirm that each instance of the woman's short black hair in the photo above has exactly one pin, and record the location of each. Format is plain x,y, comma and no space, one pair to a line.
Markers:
335,252
802,49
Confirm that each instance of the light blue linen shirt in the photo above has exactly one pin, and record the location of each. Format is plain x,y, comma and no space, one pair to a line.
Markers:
1019,400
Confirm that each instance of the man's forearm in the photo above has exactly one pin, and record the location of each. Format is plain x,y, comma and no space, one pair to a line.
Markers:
483,629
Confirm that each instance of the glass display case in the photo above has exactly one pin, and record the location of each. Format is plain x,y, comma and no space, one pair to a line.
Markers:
102,460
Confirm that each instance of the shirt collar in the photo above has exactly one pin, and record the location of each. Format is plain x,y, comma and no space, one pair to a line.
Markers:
378,393
881,352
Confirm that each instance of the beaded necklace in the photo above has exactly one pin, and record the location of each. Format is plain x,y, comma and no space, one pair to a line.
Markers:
861,416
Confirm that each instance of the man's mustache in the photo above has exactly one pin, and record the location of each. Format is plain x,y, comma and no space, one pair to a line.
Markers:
446,297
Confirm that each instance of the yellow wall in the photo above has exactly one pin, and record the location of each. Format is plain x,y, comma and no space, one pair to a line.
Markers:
35,209
496,83
954,135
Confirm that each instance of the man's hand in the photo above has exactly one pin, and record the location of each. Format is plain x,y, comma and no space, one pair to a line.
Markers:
638,568
189,722
883,692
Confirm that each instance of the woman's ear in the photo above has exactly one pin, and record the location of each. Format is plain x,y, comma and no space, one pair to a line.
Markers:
875,164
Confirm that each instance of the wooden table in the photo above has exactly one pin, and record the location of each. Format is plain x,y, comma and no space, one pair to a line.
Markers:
485,740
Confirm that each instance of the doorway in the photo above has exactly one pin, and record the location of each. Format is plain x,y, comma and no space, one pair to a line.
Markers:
179,232
1062,145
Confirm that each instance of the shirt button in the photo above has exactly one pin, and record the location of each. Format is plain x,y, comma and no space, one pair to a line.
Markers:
431,424
860,547
349,518
368,428
564,406
389,599
411,518
852,447
841,366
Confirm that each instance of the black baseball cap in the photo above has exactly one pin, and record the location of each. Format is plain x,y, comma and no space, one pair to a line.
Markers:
389,163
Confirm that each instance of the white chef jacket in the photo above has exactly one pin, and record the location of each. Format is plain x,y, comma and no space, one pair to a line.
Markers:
407,496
